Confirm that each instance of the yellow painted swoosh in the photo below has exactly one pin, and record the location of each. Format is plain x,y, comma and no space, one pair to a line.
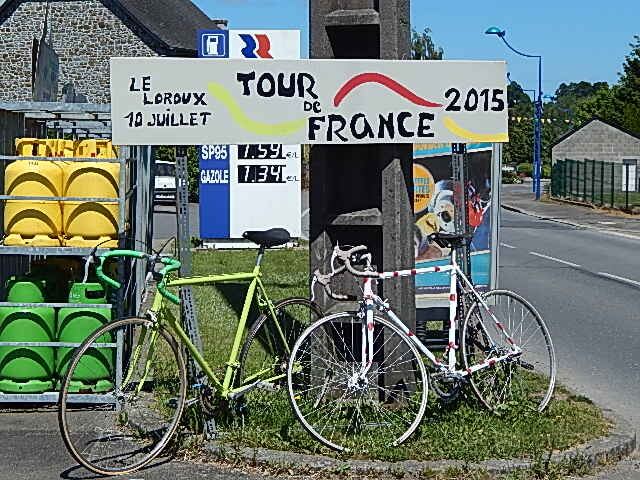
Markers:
276,129
456,129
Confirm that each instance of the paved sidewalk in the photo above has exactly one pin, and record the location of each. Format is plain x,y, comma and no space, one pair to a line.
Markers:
627,469
519,198
32,449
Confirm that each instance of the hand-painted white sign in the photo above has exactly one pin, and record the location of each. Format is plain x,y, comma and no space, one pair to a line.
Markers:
170,101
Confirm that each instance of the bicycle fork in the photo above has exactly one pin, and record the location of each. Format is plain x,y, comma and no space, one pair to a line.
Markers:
368,326
136,356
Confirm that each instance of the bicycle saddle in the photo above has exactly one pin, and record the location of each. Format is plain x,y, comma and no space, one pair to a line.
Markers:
268,238
451,240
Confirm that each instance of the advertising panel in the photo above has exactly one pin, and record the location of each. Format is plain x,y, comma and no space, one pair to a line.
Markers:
434,211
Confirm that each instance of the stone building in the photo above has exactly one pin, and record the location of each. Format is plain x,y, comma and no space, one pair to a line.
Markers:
86,33
597,140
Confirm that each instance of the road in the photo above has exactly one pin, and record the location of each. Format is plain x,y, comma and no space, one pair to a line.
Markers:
586,284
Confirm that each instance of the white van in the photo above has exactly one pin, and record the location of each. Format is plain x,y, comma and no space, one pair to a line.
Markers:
164,191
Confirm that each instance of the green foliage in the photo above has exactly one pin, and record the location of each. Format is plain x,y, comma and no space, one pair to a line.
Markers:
520,146
567,95
285,274
423,48
520,103
604,103
619,104
510,177
629,91
462,431
546,171
193,172
525,168
164,153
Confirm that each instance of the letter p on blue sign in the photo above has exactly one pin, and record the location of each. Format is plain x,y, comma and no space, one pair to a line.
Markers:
213,43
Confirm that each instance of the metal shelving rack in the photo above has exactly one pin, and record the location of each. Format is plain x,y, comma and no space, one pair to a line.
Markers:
134,222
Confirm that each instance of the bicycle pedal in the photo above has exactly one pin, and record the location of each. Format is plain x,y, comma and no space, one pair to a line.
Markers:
526,365
270,387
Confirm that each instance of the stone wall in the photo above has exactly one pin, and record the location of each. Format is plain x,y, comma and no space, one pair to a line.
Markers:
597,141
84,33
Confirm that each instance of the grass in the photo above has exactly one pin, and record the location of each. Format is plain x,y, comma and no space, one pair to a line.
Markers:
285,274
461,431
619,199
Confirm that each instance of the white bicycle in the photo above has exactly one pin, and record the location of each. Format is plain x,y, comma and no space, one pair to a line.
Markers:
357,379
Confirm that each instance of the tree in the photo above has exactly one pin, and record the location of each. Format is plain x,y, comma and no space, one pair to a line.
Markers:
628,93
519,102
569,94
604,104
619,104
423,48
520,147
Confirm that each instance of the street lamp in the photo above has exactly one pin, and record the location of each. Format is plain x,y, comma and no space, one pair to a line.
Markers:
537,149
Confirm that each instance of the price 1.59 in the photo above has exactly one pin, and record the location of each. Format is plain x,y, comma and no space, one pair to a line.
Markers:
261,174
260,152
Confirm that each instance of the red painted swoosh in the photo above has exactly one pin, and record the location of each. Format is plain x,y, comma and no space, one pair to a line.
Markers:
388,82
264,45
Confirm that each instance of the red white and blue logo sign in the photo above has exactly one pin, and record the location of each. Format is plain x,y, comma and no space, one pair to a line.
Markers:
257,45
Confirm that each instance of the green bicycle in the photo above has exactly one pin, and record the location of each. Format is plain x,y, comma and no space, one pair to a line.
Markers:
136,370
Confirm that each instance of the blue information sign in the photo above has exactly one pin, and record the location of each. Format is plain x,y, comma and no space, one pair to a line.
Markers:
214,159
213,43
215,191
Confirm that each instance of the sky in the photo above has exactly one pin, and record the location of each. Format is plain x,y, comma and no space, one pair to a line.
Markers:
578,39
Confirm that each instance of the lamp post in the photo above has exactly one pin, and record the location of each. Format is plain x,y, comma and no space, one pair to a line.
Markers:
537,148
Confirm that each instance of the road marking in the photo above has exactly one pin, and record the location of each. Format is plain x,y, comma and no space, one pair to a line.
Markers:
621,279
507,245
304,214
553,259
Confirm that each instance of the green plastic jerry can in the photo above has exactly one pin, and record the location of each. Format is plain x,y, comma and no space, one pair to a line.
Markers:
75,324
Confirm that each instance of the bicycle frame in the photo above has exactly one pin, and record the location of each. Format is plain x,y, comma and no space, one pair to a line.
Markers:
162,316
371,301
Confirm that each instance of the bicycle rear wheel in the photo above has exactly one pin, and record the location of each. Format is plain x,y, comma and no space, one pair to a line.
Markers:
265,354
344,410
122,396
527,380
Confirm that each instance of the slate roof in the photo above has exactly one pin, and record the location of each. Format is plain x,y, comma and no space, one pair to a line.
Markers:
175,22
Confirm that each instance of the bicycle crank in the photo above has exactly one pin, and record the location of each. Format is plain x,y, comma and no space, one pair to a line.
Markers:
268,386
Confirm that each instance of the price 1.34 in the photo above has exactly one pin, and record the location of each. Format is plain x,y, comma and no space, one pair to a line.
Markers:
261,174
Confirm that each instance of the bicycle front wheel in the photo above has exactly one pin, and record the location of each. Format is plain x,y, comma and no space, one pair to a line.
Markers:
122,396
348,406
265,354
526,380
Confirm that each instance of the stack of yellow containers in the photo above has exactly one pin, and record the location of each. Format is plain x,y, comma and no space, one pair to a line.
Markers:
86,224
62,223
32,222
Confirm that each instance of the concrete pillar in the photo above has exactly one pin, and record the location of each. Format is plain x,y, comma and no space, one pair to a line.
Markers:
362,194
